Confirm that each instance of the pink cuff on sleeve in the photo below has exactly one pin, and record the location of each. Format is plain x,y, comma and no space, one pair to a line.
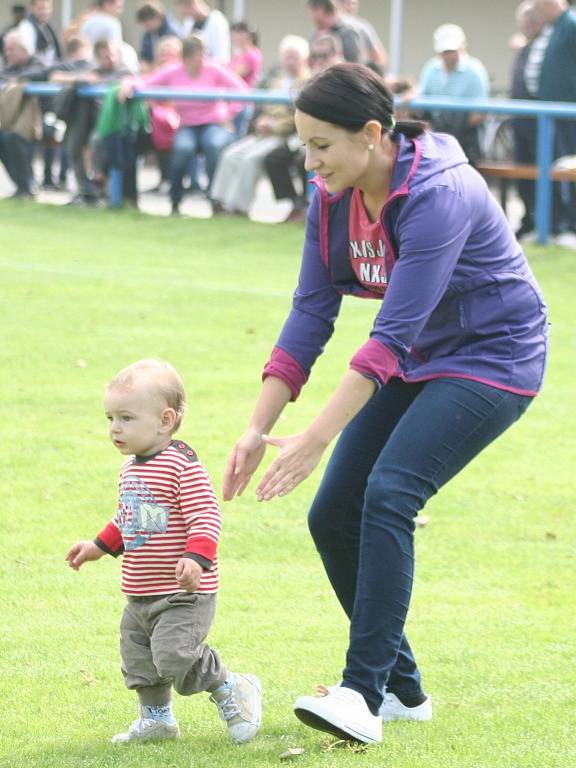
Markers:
285,367
375,360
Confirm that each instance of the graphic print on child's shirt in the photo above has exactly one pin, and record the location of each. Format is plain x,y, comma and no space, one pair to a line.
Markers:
139,514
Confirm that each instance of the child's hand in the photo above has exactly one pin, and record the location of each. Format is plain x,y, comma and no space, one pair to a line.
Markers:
188,574
81,552
125,89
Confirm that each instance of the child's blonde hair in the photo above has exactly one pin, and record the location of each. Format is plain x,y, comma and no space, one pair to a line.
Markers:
160,376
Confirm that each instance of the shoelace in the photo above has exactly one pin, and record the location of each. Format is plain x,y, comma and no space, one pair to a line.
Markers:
141,724
228,708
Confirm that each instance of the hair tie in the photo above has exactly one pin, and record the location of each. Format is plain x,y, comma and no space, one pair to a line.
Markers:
392,123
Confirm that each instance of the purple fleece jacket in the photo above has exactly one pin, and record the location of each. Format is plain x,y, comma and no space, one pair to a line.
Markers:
461,300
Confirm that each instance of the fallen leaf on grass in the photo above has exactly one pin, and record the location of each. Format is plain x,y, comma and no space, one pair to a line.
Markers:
292,752
88,677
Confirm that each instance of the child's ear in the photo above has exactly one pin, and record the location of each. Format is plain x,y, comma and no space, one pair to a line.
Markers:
167,419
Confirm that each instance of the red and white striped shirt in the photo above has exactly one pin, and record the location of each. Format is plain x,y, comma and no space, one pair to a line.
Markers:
167,508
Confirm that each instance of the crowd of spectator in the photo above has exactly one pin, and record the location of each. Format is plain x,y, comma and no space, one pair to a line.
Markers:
545,69
220,149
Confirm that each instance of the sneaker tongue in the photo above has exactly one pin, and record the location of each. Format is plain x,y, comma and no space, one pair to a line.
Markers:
222,693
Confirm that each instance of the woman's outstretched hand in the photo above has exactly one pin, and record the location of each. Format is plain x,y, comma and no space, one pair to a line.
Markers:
242,463
298,457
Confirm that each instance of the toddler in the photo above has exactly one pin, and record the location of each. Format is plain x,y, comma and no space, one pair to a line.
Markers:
166,528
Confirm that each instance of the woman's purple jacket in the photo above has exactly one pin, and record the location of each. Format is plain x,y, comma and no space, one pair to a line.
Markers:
461,299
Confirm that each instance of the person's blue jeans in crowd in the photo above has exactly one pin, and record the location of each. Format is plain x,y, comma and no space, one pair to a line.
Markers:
407,442
210,140
242,120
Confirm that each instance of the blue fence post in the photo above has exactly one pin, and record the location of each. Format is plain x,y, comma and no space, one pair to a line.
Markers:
115,184
543,183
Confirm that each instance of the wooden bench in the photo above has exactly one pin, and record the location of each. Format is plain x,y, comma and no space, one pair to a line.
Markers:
506,172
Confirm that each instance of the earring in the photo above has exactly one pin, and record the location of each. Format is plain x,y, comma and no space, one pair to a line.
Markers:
370,147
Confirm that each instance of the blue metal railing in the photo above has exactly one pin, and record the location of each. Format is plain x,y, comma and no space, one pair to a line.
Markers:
545,112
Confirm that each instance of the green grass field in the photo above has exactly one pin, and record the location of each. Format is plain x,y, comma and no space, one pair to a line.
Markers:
83,293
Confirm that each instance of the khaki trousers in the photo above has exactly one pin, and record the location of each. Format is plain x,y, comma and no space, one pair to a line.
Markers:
162,646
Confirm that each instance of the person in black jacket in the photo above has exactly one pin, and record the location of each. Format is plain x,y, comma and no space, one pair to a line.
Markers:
40,34
524,128
152,17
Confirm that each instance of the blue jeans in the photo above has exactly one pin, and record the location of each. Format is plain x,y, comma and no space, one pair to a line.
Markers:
210,140
406,443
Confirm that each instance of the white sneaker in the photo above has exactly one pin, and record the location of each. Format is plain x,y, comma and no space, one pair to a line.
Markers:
393,709
146,729
240,706
342,712
566,240
528,238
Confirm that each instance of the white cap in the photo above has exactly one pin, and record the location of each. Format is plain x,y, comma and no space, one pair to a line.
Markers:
449,37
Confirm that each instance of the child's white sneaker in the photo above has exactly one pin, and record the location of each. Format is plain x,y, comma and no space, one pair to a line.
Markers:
239,702
342,712
146,729
393,709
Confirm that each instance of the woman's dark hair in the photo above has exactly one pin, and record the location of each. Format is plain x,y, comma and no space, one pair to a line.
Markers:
243,26
349,95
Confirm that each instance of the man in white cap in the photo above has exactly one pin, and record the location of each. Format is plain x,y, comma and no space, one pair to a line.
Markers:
452,72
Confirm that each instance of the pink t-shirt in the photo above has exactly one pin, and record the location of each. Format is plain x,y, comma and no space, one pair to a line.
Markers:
370,260
249,62
211,76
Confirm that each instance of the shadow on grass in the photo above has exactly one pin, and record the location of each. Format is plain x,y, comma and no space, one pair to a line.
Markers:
193,751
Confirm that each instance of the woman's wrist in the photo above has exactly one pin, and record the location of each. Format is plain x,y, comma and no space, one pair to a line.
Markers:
351,395
274,395
318,437
254,430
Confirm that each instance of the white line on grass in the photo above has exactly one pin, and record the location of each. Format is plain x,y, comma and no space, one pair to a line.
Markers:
129,275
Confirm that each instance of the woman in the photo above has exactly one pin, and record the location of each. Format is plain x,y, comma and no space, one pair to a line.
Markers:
205,126
455,356
242,163
246,62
